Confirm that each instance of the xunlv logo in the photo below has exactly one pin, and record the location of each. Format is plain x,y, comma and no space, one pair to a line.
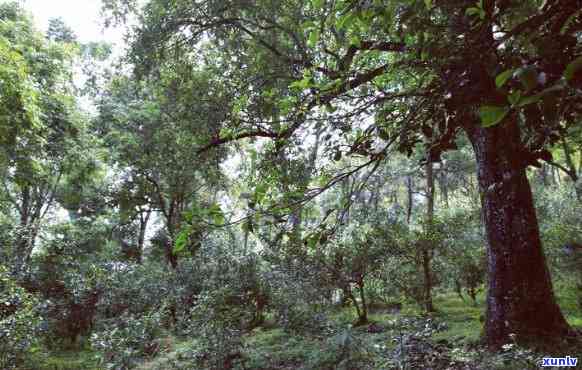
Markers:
560,361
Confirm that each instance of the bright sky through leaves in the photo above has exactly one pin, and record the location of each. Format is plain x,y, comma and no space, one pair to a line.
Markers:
83,16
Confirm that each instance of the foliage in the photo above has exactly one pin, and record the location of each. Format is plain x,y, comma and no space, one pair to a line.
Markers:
20,321
128,339
19,98
68,276
284,184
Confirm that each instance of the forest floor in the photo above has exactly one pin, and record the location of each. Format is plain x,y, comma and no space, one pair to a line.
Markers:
448,339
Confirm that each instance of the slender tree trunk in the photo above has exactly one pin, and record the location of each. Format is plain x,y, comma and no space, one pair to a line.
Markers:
303,182
427,246
30,217
444,187
346,295
143,224
427,277
520,297
556,175
410,198
543,172
364,312
459,289
569,162
23,232
171,257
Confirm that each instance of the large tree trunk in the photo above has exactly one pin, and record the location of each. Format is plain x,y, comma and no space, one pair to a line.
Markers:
520,298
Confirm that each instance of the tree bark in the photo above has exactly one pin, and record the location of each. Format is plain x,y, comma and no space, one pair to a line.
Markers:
543,173
410,198
444,188
426,258
143,225
363,318
520,298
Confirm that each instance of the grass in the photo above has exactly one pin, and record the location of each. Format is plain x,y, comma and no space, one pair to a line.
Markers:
462,317
568,300
175,355
274,347
63,360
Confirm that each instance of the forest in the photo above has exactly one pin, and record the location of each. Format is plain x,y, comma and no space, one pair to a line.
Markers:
293,184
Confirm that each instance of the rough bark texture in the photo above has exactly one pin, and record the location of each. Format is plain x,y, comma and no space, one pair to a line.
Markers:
520,297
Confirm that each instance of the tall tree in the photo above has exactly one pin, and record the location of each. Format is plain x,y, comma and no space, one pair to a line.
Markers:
155,128
503,73
59,31
42,123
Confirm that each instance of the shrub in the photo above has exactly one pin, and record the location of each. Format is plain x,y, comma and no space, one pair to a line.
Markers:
125,341
20,322
344,351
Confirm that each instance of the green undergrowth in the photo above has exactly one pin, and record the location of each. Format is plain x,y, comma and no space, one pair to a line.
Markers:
567,298
177,356
63,360
277,349
463,318
270,347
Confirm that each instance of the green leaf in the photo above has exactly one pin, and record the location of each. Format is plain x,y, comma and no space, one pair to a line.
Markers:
216,213
428,4
313,38
226,132
424,55
492,115
514,97
302,84
345,21
529,100
356,40
502,78
572,68
330,108
181,241
312,240
317,4
472,11
260,192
